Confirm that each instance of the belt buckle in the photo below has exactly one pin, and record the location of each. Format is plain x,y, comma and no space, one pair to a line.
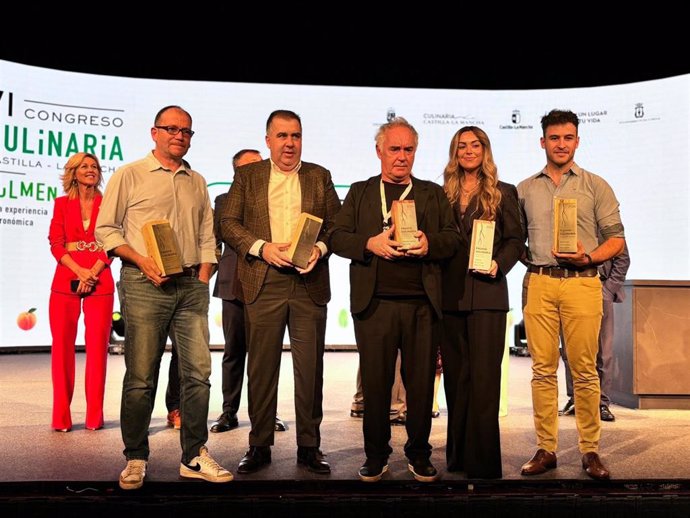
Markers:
81,245
554,272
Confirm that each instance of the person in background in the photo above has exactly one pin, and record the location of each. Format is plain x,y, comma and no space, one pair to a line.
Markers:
258,220
82,281
235,350
563,289
398,411
163,186
475,305
612,274
395,296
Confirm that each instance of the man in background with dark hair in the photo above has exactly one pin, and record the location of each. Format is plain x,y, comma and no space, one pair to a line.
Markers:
235,350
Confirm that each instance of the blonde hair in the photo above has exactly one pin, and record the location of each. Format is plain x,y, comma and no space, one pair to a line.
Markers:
69,177
489,195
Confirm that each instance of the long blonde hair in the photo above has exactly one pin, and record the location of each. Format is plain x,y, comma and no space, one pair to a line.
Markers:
69,177
489,194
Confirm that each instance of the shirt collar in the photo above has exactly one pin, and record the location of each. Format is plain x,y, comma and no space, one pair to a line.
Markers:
155,165
575,169
277,169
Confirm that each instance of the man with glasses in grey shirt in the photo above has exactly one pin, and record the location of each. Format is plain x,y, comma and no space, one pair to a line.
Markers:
162,185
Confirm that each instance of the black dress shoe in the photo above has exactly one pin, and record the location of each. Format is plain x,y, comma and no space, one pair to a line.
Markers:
423,470
435,414
312,458
592,465
357,413
569,408
255,457
372,470
224,423
280,425
606,414
541,462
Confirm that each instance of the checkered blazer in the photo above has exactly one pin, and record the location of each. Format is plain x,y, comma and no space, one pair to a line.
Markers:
244,219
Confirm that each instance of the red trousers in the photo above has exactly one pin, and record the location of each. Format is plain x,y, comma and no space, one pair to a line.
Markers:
64,317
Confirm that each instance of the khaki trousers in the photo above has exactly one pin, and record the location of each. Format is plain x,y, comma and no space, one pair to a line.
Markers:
574,303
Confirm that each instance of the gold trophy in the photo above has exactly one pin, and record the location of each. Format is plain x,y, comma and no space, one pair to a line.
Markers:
482,245
303,239
404,217
565,225
162,246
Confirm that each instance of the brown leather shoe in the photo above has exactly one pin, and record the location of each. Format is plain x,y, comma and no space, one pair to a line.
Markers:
591,463
541,462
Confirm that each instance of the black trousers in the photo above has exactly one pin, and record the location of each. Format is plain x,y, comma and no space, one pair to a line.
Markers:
234,355
284,303
386,326
472,351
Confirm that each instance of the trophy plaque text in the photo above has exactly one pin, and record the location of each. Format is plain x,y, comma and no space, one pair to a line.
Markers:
482,245
404,217
565,225
303,239
162,246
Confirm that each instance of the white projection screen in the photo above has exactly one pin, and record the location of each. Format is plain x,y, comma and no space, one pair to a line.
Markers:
634,135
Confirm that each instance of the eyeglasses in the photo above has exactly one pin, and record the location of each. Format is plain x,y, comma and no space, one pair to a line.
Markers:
174,130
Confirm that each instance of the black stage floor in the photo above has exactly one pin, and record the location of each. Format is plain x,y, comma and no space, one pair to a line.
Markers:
50,473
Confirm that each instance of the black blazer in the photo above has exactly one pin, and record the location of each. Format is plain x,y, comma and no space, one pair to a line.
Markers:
360,218
465,291
226,280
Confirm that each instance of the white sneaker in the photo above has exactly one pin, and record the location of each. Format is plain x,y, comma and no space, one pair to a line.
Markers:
132,477
204,467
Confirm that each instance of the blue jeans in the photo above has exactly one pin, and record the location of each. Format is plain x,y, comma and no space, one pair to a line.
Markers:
181,304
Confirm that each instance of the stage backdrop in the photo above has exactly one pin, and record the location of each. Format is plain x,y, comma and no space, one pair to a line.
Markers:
636,136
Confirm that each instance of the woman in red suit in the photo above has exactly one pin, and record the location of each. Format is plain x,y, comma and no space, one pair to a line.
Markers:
82,279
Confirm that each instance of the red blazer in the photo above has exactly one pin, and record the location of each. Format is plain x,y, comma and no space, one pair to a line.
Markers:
65,227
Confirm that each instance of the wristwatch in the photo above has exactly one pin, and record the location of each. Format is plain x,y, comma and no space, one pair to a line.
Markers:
589,258
261,251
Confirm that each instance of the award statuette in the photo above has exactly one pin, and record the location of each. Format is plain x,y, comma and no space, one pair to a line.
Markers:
482,245
404,217
565,225
303,239
162,246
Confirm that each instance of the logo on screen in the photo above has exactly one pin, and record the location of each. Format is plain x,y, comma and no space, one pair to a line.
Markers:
639,111
390,114
516,117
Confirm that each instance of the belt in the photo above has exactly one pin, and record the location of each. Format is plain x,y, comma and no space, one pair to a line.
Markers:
190,271
187,271
91,246
562,273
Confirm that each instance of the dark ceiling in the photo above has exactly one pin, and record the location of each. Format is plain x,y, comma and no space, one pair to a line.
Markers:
513,64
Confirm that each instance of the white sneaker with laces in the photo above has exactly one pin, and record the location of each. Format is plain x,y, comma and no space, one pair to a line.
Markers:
204,467
132,477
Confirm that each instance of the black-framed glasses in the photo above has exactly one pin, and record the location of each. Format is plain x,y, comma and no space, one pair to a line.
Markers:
174,130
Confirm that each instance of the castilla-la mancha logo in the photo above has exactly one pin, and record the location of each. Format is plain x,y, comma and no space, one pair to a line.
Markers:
639,111
515,118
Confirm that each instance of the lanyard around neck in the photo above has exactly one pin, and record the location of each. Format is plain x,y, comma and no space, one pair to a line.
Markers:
384,206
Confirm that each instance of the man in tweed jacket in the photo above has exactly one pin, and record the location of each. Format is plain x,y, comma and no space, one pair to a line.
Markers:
258,218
